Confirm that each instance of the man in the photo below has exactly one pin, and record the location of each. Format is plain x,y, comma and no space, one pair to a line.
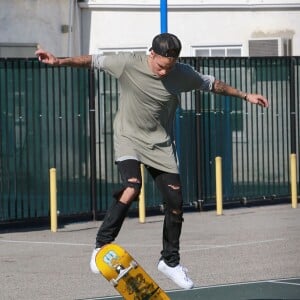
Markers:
150,86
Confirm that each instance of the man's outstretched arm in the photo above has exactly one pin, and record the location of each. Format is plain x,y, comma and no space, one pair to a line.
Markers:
83,61
220,87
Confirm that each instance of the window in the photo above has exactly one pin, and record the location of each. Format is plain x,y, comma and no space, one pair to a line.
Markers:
220,51
109,51
17,50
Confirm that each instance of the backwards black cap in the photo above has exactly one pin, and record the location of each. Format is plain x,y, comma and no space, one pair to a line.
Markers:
167,45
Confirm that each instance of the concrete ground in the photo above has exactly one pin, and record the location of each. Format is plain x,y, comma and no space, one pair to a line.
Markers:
243,245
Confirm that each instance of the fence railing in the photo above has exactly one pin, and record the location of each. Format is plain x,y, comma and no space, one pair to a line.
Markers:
62,118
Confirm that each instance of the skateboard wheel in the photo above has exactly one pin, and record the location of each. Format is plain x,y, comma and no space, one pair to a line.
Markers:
195,204
198,204
119,269
133,264
244,201
162,208
114,282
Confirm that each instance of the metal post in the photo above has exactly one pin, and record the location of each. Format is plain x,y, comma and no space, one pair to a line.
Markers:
227,152
53,200
92,141
293,155
293,164
292,106
142,206
198,147
219,192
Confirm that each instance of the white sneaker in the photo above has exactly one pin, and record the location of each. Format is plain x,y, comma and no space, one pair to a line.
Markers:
177,274
93,265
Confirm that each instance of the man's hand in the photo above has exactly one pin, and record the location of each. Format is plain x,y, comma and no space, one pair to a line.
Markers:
46,57
257,99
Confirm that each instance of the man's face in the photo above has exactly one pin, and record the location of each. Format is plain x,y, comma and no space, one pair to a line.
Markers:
161,65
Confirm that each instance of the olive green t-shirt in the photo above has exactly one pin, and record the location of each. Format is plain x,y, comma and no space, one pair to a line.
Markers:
143,126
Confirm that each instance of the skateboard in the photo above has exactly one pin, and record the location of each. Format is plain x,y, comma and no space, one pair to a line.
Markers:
126,275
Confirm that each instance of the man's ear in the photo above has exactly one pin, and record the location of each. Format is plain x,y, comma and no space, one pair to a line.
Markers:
151,54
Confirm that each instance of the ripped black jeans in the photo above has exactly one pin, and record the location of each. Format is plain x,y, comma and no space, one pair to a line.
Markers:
170,189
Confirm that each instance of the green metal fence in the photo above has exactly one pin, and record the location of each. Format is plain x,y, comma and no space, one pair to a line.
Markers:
254,143
44,124
62,118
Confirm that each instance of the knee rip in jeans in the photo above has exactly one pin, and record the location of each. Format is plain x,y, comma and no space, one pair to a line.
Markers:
132,183
174,187
176,216
135,184
133,180
176,212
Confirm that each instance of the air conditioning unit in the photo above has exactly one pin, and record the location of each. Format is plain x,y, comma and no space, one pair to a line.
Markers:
270,47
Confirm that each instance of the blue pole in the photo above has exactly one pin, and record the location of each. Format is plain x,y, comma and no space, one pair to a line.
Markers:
163,29
163,16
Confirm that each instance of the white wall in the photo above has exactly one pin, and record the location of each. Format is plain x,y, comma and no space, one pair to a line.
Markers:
197,23
110,24
233,27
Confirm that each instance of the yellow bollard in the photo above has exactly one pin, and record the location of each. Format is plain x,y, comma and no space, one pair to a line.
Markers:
53,200
294,197
142,207
219,192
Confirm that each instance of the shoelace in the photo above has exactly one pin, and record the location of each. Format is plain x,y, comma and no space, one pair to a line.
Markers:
184,271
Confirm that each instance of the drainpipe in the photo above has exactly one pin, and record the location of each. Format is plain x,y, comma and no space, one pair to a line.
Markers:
70,35
163,16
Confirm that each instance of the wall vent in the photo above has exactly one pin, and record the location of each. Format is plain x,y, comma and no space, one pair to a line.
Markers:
270,47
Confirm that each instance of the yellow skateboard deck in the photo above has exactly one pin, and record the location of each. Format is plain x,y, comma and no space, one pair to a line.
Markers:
126,275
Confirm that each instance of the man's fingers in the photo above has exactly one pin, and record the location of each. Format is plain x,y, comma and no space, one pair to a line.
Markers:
259,99
263,101
39,52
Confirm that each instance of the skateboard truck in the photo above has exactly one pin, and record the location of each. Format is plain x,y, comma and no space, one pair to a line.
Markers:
122,272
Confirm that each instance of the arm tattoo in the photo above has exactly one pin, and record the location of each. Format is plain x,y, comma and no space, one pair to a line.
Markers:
219,87
222,88
83,61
